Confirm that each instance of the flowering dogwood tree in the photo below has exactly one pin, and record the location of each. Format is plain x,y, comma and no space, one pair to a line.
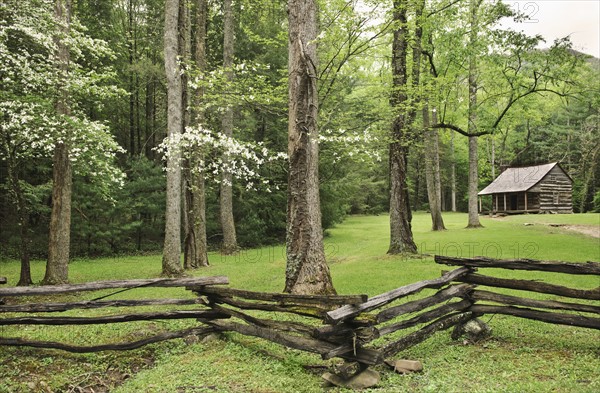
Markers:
245,159
32,124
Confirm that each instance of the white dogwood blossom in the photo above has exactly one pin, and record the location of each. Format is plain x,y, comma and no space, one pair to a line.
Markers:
244,159
30,127
361,146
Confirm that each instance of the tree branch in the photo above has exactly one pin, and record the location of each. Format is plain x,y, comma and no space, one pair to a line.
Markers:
459,130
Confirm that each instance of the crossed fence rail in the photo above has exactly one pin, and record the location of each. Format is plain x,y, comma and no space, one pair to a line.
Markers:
355,328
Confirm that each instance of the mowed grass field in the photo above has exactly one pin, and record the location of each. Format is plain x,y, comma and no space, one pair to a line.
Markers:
520,355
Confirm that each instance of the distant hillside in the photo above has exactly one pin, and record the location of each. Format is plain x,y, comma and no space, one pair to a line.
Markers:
594,61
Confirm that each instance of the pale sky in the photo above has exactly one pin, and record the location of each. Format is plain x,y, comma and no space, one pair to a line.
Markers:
557,18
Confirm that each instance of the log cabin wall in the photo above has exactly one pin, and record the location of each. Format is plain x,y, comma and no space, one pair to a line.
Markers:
556,191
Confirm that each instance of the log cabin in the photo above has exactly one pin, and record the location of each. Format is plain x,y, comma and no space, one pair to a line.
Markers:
543,188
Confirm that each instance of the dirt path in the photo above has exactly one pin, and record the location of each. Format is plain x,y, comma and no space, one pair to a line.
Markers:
589,230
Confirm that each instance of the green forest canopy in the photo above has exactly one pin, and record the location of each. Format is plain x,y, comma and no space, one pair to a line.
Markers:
117,92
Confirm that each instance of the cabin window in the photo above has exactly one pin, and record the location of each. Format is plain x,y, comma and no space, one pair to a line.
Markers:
555,197
553,178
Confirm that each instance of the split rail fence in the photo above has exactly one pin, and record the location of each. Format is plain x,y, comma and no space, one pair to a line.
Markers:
355,328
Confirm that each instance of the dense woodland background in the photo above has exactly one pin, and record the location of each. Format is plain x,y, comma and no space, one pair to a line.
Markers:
118,89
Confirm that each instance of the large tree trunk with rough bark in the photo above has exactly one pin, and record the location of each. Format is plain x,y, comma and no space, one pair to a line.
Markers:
432,173
472,113
306,271
195,243
59,240
171,264
401,239
226,196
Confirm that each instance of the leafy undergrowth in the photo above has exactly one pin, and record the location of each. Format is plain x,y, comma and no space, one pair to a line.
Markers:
519,356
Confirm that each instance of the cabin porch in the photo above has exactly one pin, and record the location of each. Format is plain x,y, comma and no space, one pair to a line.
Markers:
514,202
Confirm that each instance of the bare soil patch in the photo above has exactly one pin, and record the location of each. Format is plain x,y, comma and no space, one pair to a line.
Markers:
589,230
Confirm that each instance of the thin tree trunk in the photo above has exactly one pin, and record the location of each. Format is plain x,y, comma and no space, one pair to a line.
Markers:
588,176
416,196
131,80
185,37
473,184
171,264
137,91
226,195
493,156
472,126
401,239
154,112
437,180
195,252
185,54
148,114
59,240
453,172
306,270
418,98
23,214
432,173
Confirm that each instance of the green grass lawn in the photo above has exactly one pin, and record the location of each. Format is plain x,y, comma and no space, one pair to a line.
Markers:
520,356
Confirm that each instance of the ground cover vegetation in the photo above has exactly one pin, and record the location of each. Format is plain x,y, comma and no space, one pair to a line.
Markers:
520,355
117,96
218,130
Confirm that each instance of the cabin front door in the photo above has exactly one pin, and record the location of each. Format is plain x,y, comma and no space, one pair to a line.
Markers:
514,201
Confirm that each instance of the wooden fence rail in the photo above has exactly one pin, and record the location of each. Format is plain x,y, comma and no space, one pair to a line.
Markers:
592,268
526,307
352,327
16,292
97,285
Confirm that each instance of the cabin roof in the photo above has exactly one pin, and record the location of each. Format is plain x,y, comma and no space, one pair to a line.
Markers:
519,179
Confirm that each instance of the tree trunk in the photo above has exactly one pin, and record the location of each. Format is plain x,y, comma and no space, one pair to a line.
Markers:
493,156
226,195
306,270
416,195
131,79
588,169
25,275
195,251
150,137
472,126
432,173
401,239
473,184
453,172
185,55
20,204
171,264
432,157
148,117
59,240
